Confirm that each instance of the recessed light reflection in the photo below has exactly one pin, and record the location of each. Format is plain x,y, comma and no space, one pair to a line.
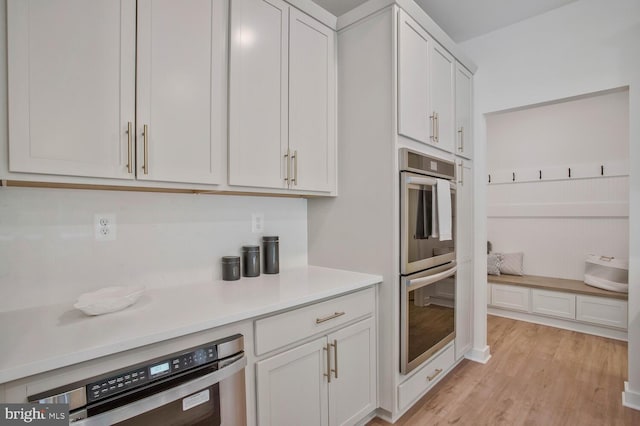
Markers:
246,37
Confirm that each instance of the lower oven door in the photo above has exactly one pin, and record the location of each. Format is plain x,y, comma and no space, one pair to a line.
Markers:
427,314
217,398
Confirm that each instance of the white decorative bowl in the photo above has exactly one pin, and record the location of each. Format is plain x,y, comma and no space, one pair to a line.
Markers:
108,299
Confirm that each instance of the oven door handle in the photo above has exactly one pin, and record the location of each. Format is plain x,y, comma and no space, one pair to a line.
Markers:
424,281
228,368
426,181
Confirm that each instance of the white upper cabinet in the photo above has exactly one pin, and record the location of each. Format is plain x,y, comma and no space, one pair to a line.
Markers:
442,97
282,98
414,111
464,96
259,102
181,88
312,93
425,87
71,86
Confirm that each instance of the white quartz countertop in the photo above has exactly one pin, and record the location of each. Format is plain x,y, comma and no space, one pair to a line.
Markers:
45,338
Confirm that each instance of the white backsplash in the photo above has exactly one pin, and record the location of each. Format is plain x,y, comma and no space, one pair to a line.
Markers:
48,252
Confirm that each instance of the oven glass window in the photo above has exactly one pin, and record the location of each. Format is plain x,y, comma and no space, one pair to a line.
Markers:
431,316
420,242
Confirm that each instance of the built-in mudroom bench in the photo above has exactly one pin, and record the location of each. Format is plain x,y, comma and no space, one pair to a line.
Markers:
568,304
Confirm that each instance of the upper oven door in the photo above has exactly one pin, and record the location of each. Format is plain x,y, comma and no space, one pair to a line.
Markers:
419,250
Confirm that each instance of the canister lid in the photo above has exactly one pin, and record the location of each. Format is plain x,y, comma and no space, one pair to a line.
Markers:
230,259
270,238
250,248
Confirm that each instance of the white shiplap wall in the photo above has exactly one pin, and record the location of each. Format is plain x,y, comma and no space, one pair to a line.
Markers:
556,223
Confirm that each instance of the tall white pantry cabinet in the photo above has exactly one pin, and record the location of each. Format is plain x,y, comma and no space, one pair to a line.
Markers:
402,83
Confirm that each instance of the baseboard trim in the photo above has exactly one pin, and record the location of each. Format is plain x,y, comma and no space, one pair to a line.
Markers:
580,327
630,398
479,355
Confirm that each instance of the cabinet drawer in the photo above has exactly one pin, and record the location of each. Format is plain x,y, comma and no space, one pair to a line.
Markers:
553,303
510,297
426,377
279,330
602,310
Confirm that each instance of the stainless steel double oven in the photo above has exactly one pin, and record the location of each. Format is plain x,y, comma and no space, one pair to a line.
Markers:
427,260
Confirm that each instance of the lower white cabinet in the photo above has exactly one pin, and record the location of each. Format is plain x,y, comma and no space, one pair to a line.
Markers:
328,381
595,310
425,378
464,308
510,297
553,303
599,310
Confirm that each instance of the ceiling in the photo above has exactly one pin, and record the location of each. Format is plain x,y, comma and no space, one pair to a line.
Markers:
466,19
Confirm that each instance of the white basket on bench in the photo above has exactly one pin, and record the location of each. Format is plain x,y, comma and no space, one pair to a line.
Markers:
607,273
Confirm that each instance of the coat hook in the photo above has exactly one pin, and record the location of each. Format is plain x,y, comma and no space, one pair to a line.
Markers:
540,176
514,176
601,170
489,178
569,171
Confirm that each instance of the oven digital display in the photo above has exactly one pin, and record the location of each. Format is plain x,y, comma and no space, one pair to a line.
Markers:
159,369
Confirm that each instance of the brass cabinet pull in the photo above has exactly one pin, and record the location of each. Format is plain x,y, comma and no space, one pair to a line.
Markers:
461,131
129,147
330,317
437,127
461,181
145,134
294,158
328,373
435,374
335,357
286,158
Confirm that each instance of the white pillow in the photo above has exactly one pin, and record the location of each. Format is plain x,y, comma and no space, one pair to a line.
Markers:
511,263
493,263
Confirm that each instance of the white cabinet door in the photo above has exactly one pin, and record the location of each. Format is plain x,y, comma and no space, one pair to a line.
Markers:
181,87
602,310
414,110
312,114
510,297
464,308
553,303
258,101
464,210
352,391
71,81
464,96
292,388
442,96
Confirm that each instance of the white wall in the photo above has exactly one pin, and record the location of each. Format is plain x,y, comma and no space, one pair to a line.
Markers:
48,253
557,223
584,47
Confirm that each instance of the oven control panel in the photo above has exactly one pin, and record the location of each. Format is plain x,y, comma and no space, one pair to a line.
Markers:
138,376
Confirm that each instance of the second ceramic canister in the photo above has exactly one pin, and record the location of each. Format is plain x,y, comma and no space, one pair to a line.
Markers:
250,261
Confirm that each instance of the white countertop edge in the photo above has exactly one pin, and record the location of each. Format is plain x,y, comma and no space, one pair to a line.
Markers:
49,364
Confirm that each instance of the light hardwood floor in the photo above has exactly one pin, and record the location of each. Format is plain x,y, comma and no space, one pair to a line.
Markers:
537,375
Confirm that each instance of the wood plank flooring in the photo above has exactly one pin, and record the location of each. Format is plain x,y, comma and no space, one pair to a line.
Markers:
537,375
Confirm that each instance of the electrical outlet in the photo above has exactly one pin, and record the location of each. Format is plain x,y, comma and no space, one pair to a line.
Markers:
257,223
104,226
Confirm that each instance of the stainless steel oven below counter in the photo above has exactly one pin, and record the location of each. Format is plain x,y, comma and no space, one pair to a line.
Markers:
204,385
